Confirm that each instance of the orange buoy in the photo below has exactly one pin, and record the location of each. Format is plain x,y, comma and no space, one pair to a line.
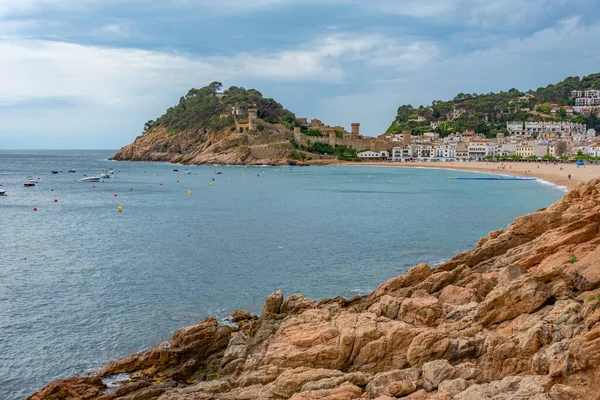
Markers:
34,209
177,181
130,188
161,184
102,181
56,201
94,187
115,195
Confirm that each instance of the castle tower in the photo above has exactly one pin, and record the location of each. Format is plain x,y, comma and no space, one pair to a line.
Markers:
355,128
406,137
252,116
332,138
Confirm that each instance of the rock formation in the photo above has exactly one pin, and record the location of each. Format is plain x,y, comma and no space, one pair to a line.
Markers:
517,317
222,147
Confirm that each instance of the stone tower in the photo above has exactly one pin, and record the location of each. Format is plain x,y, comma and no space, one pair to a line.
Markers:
252,116
355,128
406,137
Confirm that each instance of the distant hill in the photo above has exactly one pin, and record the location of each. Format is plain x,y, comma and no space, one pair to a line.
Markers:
488,113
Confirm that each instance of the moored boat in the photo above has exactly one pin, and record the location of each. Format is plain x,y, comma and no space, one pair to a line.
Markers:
90,179
29,182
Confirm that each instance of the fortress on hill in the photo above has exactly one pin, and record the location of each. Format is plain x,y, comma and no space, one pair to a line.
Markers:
338,136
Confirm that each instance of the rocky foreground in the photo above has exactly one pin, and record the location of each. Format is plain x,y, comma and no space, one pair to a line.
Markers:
517,317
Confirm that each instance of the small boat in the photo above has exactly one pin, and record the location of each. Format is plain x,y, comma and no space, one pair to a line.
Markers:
105,176
175,170
111,172
187,172
71,171
29,182
217,173
2,191
90,179
54,172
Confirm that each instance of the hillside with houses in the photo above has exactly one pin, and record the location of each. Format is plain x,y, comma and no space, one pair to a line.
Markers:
574,100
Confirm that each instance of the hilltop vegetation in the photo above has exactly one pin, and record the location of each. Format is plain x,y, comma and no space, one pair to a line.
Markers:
202,108
488,113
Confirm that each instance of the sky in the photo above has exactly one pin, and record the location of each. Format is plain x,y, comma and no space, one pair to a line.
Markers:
88,74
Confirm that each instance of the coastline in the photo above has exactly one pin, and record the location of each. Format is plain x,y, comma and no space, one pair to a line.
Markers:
549,173
514,315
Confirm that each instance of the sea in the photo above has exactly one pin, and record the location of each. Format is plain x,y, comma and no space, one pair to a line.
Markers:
82,283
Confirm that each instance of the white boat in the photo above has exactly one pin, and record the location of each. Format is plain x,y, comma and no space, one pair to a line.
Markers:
105,176
29,182
187,172
2,191
111,172
90,179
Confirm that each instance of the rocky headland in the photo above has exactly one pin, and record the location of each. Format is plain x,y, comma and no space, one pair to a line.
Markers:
517,317
225,146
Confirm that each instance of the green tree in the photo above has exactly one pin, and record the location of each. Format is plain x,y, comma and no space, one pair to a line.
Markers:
562,114
545,108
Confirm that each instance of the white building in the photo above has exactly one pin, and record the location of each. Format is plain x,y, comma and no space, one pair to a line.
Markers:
563,128
575,94
515,128
373,155
403,153
424,151
435,124
587,101
507,149
445,151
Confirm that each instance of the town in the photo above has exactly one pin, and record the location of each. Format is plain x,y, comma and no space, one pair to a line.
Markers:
522,140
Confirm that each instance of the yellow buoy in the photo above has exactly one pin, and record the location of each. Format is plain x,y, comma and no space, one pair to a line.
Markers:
189,192
276,170
211,184
390,181
120,209
245,166
228,179
350,180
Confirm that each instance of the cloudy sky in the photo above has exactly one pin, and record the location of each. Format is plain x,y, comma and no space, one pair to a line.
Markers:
89,73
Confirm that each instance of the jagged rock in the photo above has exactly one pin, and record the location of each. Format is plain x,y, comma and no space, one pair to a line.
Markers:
435,372
296,303
422,310
457,295
71,388
240,315
510,273
273,303
453,386
346,391
394,383
522,295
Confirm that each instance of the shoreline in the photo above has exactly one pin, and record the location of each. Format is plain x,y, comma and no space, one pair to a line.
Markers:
550,173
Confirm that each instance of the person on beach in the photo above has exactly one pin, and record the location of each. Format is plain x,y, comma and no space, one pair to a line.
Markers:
569,176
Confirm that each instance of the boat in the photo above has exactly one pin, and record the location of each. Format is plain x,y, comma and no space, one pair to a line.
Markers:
2,191
71,171
175,170
111,172
105,176
187,172
90,179
29,182
54,172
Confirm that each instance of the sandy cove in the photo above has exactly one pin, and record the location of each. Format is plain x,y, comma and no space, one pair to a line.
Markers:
551,173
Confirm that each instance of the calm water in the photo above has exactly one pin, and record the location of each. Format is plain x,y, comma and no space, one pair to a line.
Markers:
81,284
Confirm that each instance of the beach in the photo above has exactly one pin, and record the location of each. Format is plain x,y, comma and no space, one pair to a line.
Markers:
557,174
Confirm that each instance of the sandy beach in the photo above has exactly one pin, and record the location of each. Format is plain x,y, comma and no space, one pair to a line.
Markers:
557,174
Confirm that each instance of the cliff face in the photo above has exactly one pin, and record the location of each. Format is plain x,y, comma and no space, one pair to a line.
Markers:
517,317
194,147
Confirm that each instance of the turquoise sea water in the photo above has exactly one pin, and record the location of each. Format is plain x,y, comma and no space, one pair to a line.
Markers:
81,284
